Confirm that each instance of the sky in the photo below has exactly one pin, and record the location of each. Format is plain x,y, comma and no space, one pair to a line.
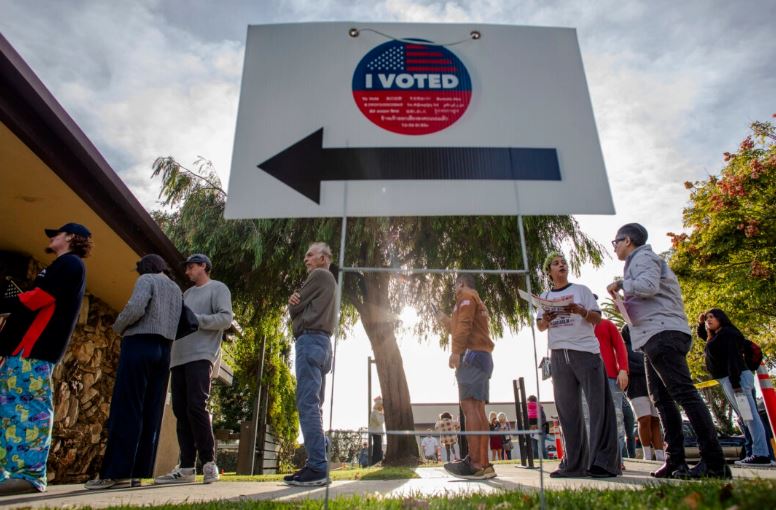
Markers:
673,85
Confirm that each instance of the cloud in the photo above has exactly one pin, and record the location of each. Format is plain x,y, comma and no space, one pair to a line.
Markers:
138,88
673,85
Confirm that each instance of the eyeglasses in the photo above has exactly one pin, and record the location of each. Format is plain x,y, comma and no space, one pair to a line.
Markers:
614,243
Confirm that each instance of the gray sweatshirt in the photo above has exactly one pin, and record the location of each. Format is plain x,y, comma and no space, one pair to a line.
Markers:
652,297
153,308
212,304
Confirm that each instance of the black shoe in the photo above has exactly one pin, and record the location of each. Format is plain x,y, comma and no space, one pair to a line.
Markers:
465,470
453,463
702,470
562,473
668,469
290,477
599,472
754,460
309,478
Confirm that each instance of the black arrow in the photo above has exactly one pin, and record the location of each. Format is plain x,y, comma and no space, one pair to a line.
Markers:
304,165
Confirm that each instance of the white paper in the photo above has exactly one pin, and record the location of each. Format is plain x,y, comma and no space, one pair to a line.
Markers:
743,407
621,307
548,305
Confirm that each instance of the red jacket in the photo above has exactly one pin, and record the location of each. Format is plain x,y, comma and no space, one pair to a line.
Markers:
613,352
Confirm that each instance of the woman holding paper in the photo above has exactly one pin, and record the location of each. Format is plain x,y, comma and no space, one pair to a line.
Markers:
577,366
725,363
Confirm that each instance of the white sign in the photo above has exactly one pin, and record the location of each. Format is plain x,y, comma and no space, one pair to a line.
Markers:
363,119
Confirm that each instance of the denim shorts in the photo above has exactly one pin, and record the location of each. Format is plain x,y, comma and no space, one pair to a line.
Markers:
473,375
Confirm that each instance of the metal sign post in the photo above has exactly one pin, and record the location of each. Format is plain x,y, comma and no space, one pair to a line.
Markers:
351,120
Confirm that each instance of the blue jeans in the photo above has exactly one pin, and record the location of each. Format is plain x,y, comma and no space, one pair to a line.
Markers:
629,420
313,362
617,396
755,426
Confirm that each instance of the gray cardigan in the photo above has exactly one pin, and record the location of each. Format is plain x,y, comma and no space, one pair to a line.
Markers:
652,297
153,308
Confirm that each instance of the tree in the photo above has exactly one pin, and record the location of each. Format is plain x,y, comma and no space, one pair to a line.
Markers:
612,313
264,259
727,259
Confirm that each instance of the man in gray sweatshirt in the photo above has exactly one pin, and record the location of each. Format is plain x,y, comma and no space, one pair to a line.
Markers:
191,365
660,330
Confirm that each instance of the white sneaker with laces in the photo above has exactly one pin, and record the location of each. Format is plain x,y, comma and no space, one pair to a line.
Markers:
177,475
108,483
210,470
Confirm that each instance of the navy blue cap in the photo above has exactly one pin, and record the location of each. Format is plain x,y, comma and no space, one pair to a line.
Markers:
199,258
70,228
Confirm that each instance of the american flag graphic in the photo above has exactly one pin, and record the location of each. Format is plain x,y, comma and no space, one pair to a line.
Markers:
412,58
411,88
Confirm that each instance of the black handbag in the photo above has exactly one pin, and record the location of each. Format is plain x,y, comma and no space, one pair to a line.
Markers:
187,324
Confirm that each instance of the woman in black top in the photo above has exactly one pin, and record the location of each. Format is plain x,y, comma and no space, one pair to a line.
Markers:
725,363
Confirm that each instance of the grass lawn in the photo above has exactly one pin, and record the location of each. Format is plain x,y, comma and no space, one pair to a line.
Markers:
739,495
371,473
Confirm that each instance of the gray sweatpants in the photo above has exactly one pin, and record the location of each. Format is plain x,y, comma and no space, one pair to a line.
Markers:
572,371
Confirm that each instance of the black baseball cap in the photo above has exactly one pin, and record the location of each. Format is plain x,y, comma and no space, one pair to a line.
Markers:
199,258
70,228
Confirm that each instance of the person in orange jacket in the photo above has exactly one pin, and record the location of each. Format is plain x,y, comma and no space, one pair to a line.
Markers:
473,363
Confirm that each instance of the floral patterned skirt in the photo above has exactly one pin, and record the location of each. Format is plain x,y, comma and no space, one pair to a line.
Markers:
27,418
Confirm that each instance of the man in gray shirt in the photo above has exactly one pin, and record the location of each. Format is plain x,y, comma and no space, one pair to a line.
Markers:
661,331
191,365
313,316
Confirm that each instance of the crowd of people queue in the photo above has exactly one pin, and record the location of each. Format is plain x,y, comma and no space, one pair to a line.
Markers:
167,335
592,367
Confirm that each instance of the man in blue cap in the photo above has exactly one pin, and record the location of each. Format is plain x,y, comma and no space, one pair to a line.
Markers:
32,341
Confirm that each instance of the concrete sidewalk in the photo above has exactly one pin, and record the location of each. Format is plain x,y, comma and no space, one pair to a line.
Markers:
432,482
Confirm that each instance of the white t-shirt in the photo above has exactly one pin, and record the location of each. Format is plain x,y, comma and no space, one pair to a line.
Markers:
430,445
572,331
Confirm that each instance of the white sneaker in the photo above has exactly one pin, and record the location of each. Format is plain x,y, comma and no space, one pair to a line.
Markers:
210,470
177,475
108,483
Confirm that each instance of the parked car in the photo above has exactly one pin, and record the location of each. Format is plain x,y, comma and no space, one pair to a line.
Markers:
732,446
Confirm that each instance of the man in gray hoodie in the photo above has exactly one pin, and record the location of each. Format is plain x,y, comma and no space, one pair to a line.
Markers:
191,365
661,331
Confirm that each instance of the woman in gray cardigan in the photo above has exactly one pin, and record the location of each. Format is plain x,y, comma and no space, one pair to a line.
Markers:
148,324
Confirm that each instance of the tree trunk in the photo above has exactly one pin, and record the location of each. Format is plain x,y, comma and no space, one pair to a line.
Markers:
371,301
400,450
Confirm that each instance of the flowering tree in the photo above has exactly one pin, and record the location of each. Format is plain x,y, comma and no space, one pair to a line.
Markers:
727,259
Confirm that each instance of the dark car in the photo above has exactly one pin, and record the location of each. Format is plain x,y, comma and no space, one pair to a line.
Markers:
732,446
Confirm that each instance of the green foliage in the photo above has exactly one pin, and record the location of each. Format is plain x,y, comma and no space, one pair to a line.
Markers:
612,313
452,242
727,259
345,445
